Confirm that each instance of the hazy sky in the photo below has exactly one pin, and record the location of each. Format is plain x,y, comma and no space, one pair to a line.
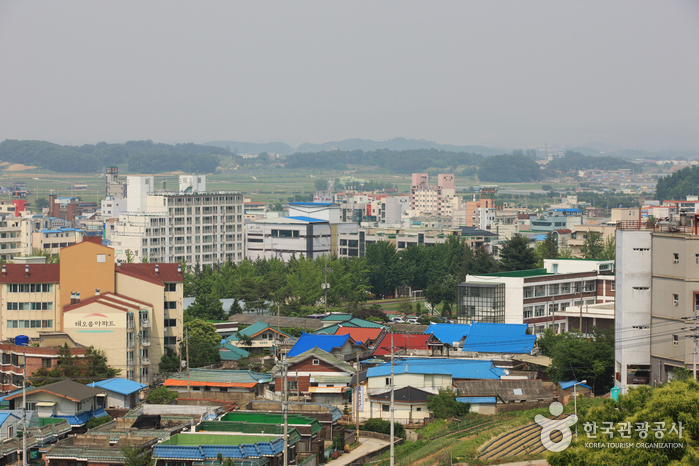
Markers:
497,73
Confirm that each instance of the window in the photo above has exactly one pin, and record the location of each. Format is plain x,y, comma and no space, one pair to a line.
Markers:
388,381
418,409
45,362
170,305
676,340
540,290
539,311
528,312
528,292
553,289
292,385
316,362
676,299
676,257
170,322
101,258
565,288
385,408
170,287
170,341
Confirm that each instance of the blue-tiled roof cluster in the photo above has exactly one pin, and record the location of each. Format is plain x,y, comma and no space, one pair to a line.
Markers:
569,383
458,368
202,452
308,219
484,337
308,341
476,400
82,418
119,385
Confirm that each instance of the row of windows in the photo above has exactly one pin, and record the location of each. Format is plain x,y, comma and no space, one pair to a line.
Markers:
47,306
29,288
544,310
559,288
30,324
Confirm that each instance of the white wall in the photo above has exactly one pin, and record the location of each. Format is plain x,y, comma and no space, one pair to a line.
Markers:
632,306
139,187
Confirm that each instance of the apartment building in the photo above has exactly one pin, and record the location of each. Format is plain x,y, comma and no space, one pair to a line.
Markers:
191,225
540,298
52,240
133,312
431,200
15,237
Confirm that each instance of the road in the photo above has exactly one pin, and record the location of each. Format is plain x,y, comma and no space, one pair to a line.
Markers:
368,445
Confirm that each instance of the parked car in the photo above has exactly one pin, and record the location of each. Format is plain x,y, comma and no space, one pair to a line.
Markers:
397,320
413,321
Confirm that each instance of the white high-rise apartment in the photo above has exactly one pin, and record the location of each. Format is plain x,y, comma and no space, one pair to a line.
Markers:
192,224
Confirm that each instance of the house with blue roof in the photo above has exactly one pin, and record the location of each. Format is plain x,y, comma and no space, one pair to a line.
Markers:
260,334
484,337
120,393
340,346
66,399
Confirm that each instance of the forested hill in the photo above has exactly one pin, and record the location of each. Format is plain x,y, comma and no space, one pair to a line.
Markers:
573,161
679,185
141,156
396,144
408,161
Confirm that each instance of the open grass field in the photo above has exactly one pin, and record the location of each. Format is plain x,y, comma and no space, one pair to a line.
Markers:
260,184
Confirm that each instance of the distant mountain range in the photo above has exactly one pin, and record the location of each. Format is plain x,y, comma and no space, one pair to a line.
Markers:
366,145
401,144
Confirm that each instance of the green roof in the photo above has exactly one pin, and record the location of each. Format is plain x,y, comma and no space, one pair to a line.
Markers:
232,353
226,439
517,273
258,423
334,317
254,329
223,376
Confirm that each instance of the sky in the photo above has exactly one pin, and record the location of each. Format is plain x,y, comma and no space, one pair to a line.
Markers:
619,74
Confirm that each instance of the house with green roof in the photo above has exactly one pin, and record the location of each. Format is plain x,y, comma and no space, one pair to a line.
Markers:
257,336
351,322
548,297
231,352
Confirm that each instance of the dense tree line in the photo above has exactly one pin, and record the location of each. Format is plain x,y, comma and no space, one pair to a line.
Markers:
296,286
142,156
679,185
574,161
407,161
513,168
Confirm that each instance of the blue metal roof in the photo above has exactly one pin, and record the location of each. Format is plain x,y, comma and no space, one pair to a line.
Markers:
476,400
81,419
486,337
61,230
538,237
458,368
119,385
308,219
566,385
448,333
309,341
3,417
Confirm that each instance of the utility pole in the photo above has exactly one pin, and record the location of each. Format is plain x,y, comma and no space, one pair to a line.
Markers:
695,337
285,409
186,344
24,409
393,453
553,312
356,396
582,287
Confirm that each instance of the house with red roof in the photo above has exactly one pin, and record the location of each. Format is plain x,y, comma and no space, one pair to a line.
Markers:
404,344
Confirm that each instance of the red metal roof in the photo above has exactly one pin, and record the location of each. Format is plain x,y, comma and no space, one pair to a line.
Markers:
360,334
38,273
414,341
166,272
111,300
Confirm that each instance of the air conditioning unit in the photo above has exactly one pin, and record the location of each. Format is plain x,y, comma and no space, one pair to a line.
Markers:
456,344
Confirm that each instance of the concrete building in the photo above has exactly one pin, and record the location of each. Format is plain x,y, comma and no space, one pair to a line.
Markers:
431,200
15,237
537,297
52,240
284,237
191,225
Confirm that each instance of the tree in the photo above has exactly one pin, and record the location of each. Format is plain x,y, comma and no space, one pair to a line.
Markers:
97,421
41,203
161,396
404,308
383,426
206,307
90,368
593,247
445,406
516,254
137,456
382,262
169,362
547,249
245,340
367,313
204,343
576,357
418,309
433,295
609,249
235,308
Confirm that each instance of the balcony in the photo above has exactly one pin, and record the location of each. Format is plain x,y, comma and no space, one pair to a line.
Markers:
129,363
145,342
130,343
145,361
130,324
145,323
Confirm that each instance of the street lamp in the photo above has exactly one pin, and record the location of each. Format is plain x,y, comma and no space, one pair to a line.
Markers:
575,404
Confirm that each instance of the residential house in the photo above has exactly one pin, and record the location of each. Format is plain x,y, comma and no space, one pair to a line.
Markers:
410,405
404,344
120,393
366,336
260,334
495,396
223,385
316,374
483,339
340,346
65,399
89,450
